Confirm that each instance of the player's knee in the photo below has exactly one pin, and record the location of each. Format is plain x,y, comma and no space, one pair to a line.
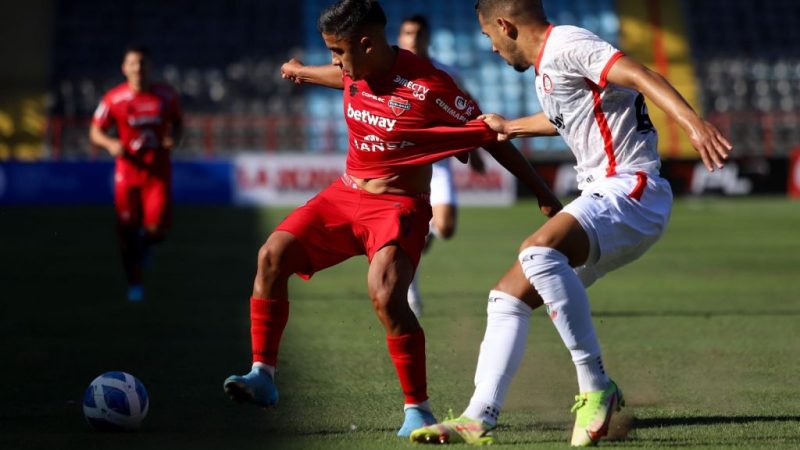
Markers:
446,230
270,261
538,240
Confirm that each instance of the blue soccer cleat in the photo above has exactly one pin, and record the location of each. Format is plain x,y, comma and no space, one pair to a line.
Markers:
255,387
415,418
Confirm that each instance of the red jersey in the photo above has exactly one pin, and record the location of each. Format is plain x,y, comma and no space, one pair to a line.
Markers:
142,120
414,116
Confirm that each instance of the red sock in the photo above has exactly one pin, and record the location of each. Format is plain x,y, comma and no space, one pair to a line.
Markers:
408,355
267,321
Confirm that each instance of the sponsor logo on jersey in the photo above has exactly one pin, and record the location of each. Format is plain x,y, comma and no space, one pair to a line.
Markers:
450,110
372,143
419,90
399,105
372,96
464,104
547,83
370,118
142,121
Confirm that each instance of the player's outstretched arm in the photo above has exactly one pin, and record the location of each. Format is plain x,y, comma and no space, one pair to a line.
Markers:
509,157
706,138
528,126
100,138
328,76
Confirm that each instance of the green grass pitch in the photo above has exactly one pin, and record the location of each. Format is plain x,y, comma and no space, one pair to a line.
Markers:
702,334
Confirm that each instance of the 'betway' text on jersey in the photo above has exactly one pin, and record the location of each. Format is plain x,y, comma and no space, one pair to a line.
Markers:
370,118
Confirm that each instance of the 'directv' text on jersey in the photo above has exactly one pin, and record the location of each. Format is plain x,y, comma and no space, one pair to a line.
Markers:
606,126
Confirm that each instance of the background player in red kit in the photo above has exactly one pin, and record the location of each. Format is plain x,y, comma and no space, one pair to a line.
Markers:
403,114
148,120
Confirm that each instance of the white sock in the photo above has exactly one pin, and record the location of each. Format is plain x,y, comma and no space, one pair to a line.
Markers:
266,368
549,272
425,406
501,353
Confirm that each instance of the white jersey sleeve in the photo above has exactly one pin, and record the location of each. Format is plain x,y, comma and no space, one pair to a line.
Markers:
588,55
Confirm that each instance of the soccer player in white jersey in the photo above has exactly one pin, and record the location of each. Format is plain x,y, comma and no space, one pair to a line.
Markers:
592,95
415,36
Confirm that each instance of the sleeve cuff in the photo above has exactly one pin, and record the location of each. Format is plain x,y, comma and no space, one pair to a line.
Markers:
604,75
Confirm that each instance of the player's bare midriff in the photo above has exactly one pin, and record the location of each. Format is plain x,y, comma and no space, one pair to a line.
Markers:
411,181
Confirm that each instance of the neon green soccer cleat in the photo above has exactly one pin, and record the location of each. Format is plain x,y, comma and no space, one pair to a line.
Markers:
453,431
593,414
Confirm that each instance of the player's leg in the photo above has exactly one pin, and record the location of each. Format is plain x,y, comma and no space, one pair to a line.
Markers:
547,258
157,209
390,273
128,206
313,237
279,257
443,222
508,313
510,305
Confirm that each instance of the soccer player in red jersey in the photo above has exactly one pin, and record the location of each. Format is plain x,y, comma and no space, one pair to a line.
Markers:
414,36
403,114
148,120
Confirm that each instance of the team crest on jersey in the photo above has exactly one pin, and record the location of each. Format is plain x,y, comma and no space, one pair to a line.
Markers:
353,89
399,105
547,83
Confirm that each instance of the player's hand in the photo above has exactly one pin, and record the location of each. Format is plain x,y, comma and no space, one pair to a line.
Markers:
549,205
290,70
168,143
711,145
115,148
497,123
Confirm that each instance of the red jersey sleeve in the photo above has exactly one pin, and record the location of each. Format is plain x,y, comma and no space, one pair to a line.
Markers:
102,115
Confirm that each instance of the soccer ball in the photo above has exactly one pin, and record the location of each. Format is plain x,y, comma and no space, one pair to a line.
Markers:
115,401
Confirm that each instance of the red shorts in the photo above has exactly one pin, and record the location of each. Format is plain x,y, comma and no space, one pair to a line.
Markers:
142,195
344,221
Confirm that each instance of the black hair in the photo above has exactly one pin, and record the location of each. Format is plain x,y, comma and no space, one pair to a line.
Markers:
519,8
137,48
420,20
346,17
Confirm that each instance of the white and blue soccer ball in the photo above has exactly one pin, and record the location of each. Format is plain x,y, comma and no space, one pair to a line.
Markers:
115,401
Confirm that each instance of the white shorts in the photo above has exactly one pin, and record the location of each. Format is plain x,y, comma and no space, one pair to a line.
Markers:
620,226
443,188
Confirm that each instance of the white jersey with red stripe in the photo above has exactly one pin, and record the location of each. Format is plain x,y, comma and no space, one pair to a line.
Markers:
606,126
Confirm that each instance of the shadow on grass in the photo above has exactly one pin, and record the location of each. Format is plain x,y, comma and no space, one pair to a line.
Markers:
659,422
701,314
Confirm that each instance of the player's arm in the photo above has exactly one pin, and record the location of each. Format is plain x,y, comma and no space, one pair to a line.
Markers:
100,138
512,160
328,76
528,126
706,138
175,135
174,138
476,162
